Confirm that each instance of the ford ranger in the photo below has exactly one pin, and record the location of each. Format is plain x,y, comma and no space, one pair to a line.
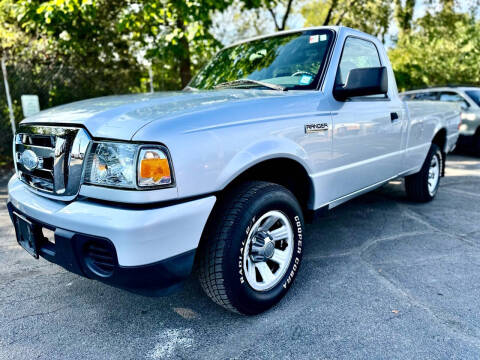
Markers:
138,190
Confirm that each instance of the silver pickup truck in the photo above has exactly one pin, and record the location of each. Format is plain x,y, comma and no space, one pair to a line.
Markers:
135,191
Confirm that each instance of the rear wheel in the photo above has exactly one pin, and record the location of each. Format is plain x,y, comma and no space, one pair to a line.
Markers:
476,143
423,186
253,248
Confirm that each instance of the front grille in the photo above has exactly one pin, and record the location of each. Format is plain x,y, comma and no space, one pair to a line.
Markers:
100,257
47,141
50,159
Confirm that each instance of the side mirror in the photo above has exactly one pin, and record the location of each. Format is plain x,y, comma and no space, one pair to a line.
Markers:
464,105
363,82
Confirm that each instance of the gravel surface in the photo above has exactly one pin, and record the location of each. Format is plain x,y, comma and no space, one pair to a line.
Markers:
382,278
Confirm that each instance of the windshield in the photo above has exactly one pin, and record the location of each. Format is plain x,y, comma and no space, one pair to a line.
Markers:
474,95
293,61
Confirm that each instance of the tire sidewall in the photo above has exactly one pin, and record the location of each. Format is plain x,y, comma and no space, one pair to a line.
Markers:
434,151
246,299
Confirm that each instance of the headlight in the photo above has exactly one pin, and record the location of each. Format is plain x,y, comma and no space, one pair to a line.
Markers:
468,116
126,165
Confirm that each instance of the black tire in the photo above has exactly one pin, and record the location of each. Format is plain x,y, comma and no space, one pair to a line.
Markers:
476,143
221,254
416,185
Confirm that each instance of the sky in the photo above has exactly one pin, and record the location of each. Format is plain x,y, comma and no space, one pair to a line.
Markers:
226,25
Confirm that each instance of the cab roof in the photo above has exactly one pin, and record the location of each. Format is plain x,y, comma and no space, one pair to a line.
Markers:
442,88
336,29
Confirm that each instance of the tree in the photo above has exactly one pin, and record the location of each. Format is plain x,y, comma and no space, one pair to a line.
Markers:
125,33
175,32
76,44
11,39
246,19
371,16
442,48
238,23
279,10
404,15
11,36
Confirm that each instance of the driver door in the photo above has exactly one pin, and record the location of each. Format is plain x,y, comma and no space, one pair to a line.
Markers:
367,130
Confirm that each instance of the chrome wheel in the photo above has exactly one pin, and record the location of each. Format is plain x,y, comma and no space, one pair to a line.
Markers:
268,251
433,175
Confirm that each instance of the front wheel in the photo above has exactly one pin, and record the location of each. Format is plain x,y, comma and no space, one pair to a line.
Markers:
423,186
253,248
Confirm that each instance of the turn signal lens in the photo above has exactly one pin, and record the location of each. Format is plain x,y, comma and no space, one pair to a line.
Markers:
154,169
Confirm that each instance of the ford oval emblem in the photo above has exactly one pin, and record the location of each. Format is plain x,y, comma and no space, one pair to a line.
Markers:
29,159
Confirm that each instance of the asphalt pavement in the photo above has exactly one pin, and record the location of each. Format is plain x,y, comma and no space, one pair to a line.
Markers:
382,278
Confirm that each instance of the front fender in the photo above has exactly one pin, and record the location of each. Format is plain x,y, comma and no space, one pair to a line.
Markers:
273,148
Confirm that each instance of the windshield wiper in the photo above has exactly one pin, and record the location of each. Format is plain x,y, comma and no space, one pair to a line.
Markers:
249,83
189,88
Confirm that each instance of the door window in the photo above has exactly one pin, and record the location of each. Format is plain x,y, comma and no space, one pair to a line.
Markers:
425,96
451,96
357,53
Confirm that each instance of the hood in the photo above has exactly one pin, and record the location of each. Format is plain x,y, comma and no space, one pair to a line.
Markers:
120,117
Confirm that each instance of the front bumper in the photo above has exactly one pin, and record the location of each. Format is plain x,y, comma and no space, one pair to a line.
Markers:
153,248
469,127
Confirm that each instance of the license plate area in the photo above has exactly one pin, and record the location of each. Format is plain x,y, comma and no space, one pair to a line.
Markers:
26,234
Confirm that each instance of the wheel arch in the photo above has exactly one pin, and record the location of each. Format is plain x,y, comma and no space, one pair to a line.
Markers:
271,170
440,139
281,170
477,131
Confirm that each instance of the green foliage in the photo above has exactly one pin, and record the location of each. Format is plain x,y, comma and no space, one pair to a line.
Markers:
280,20
68,50
63,51
80,32
404,14
371,16
173,32
443,48
11,35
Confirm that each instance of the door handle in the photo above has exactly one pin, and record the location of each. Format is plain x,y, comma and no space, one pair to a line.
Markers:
394,117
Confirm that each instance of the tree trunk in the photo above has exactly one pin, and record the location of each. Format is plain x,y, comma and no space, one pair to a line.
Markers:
274,17
327,20
287,13
404,15
7,93
283,24
184,60
349,7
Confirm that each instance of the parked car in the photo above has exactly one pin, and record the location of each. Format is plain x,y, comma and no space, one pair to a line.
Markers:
134,190
469,100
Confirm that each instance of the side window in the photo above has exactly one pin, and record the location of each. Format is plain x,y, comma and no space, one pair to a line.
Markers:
426,96
357,53
453,97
